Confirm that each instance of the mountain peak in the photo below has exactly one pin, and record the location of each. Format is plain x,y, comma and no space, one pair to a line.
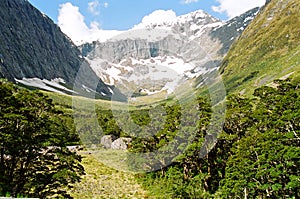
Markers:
196,15
167,19
160,55
158,18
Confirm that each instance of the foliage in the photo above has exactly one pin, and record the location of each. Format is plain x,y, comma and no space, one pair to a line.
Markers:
256,155
108,123
186,176
34,135
265,161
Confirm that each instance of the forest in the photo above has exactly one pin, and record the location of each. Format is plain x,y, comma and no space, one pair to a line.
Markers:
34,135
256,155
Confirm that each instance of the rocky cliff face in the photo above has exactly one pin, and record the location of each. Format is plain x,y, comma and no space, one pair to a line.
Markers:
233,28
33,51
156,57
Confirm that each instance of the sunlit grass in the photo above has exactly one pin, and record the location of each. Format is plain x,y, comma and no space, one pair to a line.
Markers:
102,181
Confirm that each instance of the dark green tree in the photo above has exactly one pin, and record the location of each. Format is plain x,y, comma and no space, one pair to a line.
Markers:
187,176
265,161
34,158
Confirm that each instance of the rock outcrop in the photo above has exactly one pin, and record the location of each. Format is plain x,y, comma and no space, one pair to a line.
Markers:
112,142
191,45
121,143
107,140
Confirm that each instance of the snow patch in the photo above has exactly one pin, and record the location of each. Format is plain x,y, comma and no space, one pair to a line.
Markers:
248,19
52,85
87,89
240,29
110,90
171,62
150,35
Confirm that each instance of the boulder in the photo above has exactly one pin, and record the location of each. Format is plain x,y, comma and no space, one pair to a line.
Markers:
121,143
74,148
107,140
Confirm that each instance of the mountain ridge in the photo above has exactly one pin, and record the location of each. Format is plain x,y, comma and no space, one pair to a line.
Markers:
32,46
193,40
268,49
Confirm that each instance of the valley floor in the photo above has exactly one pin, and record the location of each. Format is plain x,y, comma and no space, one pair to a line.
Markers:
101,181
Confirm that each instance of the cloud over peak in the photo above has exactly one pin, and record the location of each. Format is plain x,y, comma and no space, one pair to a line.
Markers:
233,8
71,22
157,17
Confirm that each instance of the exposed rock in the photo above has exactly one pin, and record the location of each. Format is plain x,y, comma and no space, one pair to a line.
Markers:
121,143
74,148
233,28
107,140
93,146
196,39
32,46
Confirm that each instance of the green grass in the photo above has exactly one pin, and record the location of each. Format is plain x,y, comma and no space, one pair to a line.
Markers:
116,159
102,181
83,103
69,101
268,49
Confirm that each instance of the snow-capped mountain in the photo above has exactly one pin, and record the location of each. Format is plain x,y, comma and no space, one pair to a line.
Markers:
185,24
158,56
154,56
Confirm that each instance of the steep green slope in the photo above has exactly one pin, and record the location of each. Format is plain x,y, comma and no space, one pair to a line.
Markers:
268,49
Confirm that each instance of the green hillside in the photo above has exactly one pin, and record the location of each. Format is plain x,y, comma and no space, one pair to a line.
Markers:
185,146
268,49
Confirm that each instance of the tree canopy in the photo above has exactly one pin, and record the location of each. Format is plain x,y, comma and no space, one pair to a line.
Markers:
257,155
34,135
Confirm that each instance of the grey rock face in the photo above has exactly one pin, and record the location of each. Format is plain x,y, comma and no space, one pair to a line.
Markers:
32,46
121,143
195,38
107,140
232,29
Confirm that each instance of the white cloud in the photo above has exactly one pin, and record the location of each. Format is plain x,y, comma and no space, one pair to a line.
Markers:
157,17
234,8
189,1
71,22
105,5
94,7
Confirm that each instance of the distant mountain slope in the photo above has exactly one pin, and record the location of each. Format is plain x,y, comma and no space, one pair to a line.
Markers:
33,51
268,49
233,28
160,56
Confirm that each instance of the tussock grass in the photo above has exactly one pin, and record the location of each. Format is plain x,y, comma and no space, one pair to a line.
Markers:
268,49
102,181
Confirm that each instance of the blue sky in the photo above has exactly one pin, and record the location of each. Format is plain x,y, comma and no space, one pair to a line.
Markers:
90,20
124,14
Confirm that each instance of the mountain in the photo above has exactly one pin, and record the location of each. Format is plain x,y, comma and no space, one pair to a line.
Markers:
157,57
268,49
34,52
